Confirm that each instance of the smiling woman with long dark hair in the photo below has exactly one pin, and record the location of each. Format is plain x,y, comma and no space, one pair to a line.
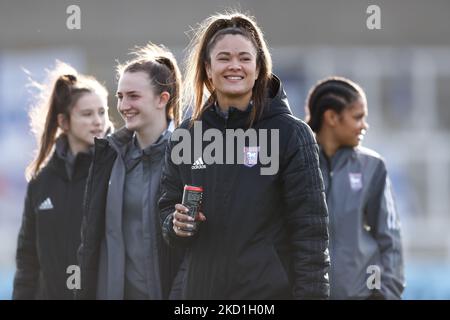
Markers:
258,236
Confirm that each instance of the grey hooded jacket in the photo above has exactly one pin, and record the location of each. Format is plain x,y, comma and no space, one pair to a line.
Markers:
365,239
103,252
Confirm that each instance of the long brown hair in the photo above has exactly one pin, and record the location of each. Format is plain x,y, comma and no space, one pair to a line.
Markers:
205,37
162,69
57,95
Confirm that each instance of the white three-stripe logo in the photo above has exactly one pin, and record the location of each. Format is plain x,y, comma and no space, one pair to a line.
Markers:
198,164
46,204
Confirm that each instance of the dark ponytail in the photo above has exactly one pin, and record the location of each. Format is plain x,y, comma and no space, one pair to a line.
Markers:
60,99
173,86
57,96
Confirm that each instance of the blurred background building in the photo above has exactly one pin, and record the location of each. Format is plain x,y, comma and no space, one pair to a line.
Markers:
404,68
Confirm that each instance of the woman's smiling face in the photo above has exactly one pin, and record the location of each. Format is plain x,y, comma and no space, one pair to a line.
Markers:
233,68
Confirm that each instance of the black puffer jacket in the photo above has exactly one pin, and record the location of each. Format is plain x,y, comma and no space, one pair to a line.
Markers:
50,232
265,236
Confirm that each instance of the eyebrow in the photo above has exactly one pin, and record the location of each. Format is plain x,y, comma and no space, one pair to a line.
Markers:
228,53
128,92
91,108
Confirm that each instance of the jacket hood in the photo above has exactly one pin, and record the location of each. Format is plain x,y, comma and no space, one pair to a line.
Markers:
277,101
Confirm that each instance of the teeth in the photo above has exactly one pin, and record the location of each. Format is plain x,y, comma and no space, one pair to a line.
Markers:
234,78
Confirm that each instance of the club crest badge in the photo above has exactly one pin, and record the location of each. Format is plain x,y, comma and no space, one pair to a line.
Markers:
355,181
250,156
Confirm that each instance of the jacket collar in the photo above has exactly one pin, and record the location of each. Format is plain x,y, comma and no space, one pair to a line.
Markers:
63,157
339,158
122,139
